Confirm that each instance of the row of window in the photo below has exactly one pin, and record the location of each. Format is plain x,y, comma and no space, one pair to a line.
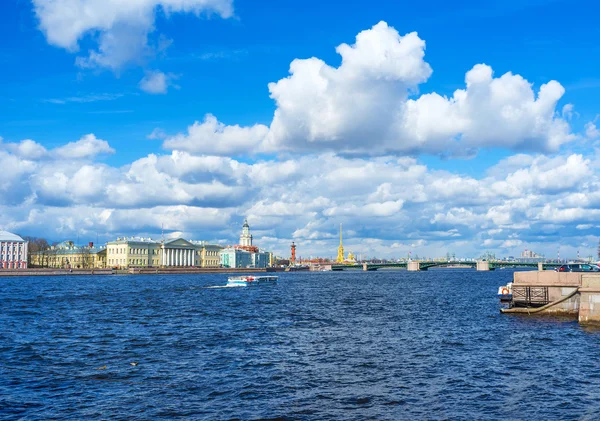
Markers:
116,250
212,262
10,257
12,249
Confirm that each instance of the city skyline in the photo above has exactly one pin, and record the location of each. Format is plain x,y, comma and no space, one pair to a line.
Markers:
195,115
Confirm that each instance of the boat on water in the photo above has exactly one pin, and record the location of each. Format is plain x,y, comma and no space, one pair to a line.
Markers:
505,293
250,280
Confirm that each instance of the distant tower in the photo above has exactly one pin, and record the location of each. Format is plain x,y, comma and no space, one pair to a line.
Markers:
340,256
293,259
246,237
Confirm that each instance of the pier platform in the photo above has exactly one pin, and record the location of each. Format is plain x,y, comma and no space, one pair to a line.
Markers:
561,293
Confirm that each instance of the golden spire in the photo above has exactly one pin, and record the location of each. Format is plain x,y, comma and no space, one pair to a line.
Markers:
340,256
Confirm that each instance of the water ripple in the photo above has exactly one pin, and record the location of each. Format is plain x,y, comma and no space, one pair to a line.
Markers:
323,346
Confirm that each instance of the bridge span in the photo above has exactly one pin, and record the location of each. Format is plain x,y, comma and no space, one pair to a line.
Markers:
414,266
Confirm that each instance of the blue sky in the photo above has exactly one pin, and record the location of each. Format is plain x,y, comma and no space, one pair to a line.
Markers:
121,73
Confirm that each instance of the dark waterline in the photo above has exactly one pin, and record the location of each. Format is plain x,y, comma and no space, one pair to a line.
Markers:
318,346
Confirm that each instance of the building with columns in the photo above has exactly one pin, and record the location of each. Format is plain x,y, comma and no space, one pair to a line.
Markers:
179,252
13,251
145,252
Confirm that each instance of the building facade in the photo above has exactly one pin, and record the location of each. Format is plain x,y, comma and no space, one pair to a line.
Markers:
209,255
139,252
245,254
234,257
246,237
133,252
13,251
68,255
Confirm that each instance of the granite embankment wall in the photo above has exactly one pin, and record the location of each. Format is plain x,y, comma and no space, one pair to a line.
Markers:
53,272
175,271
585,303
132,271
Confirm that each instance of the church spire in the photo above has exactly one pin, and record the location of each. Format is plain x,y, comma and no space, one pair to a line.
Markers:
340,256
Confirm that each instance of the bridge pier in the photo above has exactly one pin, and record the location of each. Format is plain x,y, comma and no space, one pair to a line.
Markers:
413,266
540,266
483,266
365,267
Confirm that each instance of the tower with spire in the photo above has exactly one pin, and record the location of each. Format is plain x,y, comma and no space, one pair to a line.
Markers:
246,237
340,256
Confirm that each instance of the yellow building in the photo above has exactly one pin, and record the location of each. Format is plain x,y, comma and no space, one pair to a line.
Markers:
144,252
209,255
67,255
133,252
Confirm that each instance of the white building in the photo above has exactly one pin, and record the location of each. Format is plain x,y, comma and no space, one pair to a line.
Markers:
13,251
246,237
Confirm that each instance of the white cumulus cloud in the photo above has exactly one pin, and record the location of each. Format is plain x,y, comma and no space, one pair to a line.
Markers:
365,105
86,147
156,82
216,138
121,26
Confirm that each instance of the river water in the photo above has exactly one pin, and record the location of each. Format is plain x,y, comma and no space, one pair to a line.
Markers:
384,345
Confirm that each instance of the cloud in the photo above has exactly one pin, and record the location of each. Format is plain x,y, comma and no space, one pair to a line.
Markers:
348,130
85,98
216,138
157,82
122,28
87,147
27,149
157,133
381,201
364,105
591,131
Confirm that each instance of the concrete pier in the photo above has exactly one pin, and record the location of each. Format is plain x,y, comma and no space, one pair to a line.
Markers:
550,292
589,300
483,266
413,266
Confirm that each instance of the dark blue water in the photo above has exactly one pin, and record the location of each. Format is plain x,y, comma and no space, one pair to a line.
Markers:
322,346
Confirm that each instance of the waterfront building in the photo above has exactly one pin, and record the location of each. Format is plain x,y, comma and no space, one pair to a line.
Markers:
209,254
245,254
68,255
13,251
246,237
177,252
133,252
235,257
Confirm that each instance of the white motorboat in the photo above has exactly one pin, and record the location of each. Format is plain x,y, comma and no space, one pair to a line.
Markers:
248,280
505,292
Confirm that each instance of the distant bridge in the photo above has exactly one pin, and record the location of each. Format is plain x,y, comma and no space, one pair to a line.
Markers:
413,265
